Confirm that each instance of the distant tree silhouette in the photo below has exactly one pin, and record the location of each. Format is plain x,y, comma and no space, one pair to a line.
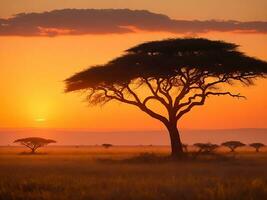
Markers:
233,145
257,146
34,143
176,74
107,145
206,147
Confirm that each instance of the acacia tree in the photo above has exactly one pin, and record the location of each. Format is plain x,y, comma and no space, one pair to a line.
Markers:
178,74
206,147
232,145
257,146
34,143
106,145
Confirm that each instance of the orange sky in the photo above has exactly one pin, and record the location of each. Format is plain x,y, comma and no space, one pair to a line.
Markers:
33,68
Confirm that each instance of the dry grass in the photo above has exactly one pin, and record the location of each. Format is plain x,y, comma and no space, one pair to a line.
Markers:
119,173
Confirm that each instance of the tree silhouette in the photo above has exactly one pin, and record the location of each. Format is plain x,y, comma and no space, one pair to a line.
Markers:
206,147
176,74
257,146
107,145
34,143
233,145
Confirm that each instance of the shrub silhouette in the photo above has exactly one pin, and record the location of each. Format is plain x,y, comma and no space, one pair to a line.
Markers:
206,147
257,146
33,143
178,74
232,145
107,145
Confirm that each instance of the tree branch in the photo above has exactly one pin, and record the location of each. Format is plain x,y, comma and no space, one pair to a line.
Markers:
225,93
136,102
155,93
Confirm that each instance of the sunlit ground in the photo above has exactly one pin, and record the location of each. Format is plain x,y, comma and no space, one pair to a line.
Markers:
130,173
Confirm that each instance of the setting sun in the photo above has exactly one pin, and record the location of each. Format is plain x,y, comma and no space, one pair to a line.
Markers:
115,99
40,119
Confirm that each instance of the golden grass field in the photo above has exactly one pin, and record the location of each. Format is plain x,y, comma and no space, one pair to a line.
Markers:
130,173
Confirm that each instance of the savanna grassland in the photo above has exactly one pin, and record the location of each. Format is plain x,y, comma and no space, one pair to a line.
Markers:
130,173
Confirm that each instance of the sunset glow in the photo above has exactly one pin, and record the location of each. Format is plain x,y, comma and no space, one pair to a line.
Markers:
40,119
133,99
33,70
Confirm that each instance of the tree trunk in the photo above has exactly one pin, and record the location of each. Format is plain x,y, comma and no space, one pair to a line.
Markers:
33,151
176,145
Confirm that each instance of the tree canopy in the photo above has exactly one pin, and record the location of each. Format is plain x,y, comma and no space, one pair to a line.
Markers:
177,73
206,147
34,143
107,145
257,146
233,145
169,58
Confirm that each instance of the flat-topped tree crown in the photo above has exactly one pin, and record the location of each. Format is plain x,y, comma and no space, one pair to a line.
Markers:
34,143
257,146
206,147
106,145
178,73
232,145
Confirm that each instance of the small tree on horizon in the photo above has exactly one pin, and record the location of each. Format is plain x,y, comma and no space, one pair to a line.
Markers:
106,145
33,143
232,145
206,147
177,75
257,146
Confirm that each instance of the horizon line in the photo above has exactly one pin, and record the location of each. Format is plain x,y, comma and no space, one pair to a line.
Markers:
131,130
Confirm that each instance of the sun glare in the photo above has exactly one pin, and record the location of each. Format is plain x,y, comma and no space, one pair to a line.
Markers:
40,120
